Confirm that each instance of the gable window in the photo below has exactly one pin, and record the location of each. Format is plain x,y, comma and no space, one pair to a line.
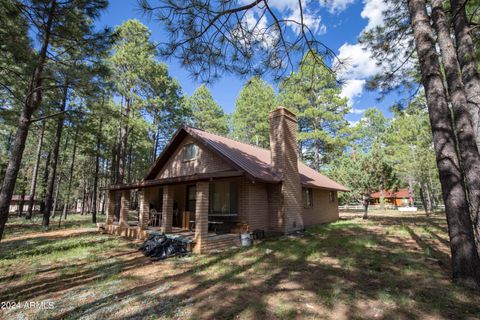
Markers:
190,151
332,196
307,197
223,198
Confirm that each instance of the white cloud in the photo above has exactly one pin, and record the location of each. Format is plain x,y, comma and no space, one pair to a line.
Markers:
289,9
352,89
355,62
358,110
311,20
373,11
336,6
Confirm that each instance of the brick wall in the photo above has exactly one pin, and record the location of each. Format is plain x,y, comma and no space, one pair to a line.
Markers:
201,216
322,210
124,207
167,210
284,159
253,204
205,161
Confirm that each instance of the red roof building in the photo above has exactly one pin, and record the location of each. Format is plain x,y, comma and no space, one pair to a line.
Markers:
399,197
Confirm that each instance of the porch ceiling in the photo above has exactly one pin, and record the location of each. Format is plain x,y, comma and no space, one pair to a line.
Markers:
181,179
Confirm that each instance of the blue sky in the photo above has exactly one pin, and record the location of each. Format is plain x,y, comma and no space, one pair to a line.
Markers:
339,23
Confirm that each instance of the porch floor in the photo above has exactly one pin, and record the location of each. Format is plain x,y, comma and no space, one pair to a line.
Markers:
213,242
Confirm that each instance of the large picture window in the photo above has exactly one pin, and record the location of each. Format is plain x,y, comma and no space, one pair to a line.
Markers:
223,198
307,197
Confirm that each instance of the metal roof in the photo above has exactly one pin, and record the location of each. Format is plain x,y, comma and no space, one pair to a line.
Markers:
253,160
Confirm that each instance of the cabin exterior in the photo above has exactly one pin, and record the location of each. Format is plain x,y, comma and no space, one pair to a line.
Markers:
212,188
399,198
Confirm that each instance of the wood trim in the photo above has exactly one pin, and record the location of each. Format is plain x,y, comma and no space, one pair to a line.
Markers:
174,180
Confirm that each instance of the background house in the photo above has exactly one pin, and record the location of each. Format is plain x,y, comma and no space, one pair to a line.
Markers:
399,197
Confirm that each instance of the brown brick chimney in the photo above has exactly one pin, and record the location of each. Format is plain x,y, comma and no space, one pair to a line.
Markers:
284,160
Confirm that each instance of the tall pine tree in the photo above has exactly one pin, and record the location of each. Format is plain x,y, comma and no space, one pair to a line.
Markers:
206,113
250,117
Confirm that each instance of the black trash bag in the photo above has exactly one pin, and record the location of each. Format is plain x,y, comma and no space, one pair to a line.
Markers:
159,247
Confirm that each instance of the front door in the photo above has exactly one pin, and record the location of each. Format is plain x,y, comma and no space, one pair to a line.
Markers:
191,196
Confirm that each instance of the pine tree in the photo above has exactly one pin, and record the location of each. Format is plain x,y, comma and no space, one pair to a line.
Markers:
206,113
250,117
314,95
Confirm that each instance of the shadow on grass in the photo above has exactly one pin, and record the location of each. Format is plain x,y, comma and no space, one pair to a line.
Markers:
341,270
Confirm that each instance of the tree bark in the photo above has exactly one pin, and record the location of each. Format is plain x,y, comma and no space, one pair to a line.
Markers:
465,261
466,58
33,188
70,175
84,196
54,159
55,199
32,102
22,200
97,169
45,180
465,49
365,207
467,145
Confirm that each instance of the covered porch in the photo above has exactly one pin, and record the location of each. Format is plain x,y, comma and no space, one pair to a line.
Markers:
203,212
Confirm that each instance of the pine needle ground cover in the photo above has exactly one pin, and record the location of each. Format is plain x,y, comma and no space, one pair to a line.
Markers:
393,266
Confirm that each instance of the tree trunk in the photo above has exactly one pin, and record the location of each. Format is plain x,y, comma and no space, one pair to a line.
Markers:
55,198
83,197
97,169
466,58
470,75
45,180
423,198
32,102
70,175
365,207
470,158
22,200
465,261
54,159
382,199
411,198
31,197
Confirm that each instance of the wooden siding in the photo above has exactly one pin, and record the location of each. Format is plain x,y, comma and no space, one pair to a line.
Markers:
204,162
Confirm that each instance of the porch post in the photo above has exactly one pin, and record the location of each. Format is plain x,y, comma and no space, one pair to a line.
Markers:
110,207
167,209
124,206
144,208
201,216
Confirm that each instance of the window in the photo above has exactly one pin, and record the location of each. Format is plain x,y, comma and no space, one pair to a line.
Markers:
223,198
189,152
307,197
332,196
191,198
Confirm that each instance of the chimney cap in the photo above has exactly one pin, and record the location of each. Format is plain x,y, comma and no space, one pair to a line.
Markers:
282,111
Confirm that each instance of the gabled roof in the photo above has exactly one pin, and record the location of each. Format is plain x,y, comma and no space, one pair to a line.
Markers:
400,193
253,160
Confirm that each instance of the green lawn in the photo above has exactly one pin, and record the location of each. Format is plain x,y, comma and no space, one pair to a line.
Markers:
394,266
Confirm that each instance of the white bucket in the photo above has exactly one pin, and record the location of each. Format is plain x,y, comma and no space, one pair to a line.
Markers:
246,239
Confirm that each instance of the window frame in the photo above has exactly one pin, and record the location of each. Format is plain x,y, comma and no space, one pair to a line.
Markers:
232,201
185,152
332,197
309,192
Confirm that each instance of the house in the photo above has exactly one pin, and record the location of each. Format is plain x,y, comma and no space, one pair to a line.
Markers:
17,200
221,187
398,197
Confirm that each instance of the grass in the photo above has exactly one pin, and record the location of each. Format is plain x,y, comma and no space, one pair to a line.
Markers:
393,266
